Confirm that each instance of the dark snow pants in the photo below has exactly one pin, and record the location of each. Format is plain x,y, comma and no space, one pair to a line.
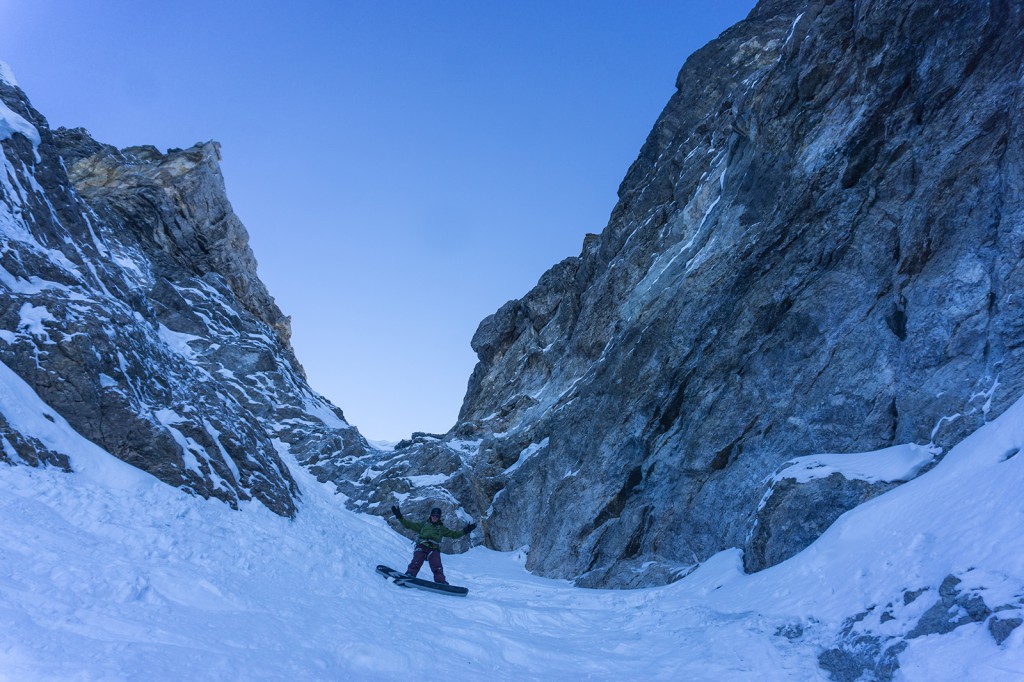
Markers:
431,555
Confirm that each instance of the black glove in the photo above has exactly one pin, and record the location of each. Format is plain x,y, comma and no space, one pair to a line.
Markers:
469,528
398,512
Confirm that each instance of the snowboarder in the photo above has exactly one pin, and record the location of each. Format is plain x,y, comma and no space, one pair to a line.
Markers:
428,544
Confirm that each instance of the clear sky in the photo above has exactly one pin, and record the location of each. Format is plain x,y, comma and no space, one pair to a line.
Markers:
403,167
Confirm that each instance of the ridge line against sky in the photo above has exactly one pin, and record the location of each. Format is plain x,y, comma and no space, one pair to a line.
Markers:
403,169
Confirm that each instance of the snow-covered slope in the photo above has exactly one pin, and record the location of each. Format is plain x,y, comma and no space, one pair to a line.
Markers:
108,574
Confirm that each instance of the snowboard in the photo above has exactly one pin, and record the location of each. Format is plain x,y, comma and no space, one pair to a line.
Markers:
399,578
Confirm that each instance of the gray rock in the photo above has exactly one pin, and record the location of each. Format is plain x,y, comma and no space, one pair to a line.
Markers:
178,201
864,649
910,596
861,654
132,307
865,659
952,610
18,448
1002,628
816,251
796,514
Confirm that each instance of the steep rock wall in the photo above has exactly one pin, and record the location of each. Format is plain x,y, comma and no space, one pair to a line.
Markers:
130,303
819,249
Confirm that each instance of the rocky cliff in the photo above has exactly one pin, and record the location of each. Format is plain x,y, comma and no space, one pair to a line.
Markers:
131,305
818,250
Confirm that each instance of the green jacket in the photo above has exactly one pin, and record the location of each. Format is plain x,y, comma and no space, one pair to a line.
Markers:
430,533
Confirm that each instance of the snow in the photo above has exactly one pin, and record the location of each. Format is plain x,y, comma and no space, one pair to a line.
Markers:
108,574
33,285
426,480
528,452
898,463
190,448
225,457
792,30
11,123
32,318
465,448
988,395
178,342
6,74
28,414
316,406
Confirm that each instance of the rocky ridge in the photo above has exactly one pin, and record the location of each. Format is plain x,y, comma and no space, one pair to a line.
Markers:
817,250
132,306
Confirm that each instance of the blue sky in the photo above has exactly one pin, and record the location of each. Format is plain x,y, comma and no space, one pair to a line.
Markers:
403,168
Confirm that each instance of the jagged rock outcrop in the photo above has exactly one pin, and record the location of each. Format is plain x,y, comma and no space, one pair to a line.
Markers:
178,200
130,303
818,249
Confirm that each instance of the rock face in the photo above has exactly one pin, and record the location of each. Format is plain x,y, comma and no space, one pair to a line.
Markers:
179,202
818,249
795,514
130,303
